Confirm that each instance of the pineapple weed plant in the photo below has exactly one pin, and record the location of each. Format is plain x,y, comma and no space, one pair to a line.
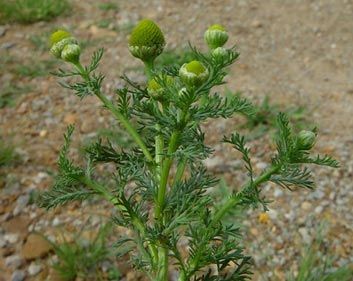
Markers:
161,189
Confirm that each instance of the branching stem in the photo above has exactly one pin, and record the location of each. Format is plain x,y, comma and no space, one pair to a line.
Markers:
124,121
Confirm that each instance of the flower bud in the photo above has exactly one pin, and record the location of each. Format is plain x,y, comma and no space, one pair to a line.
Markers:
193,73
71,53
58,47
306,140
156,90
216,36
58,35
219,54
146,41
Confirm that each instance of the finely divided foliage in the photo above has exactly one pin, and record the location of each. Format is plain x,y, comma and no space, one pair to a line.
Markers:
161,188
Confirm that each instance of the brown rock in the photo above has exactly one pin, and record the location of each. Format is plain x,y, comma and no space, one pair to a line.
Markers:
18,225
35,247
70,119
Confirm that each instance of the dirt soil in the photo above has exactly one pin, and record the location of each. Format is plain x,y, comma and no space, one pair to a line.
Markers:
298,52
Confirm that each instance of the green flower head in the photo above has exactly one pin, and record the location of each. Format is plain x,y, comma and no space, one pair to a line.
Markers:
217,27
146,40
193,73
58,35
59,40
216,36
306,140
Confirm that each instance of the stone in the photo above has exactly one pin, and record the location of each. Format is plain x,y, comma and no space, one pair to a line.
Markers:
261,165
319,209
35,247
34,269
305,235
306,206
70,119
18,275
3,241
21,203
56,222
278,192
17,225
13,262
7,45
3,30
256,24
43,133
11,238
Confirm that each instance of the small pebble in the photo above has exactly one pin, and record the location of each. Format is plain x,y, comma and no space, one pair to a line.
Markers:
2,31
319,209
3,241
278,193
34,269
56,221
11,238
18,275
14,261
21,203
306,206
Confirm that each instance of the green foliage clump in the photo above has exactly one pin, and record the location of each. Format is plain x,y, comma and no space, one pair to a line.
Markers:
161,188
316,264
82,258
7,153
30,11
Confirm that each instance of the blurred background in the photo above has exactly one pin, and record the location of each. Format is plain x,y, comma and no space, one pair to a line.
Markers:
296,57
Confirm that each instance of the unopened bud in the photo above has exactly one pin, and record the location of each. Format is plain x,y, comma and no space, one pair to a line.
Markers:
193,73
306,140
71,53
216,36
58,47
220,54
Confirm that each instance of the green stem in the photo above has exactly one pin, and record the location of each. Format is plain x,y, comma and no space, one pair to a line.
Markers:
232,201
182,276
159,146
123,120
167,163
162,273
149,65
136,222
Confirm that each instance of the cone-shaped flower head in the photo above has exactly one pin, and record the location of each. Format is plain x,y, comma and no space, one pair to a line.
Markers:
146,41
59,40
193,73
216,36
306,140
71,53
156,90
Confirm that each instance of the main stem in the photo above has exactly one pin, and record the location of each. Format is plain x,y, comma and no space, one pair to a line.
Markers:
161,174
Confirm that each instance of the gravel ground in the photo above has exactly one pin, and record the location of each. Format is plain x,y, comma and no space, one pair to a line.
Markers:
299,52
